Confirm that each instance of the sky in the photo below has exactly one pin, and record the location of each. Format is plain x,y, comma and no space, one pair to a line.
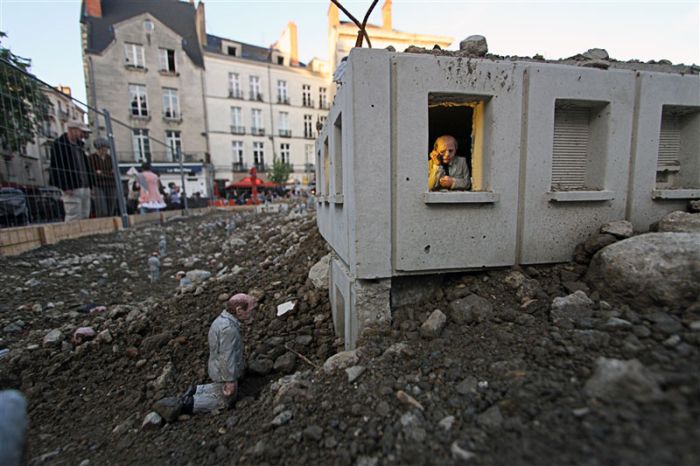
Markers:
48,31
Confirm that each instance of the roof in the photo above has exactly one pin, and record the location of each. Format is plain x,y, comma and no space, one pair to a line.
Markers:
248,51
176,15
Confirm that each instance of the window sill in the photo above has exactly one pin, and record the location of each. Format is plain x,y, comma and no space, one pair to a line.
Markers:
143,69
675,193
461,197
579,196
337,199
174,74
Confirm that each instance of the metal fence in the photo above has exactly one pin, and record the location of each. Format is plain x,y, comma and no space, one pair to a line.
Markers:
56,167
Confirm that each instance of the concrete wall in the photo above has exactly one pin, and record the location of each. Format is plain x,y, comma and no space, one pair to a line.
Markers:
112,78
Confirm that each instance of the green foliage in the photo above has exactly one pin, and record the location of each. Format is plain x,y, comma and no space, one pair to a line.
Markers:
280,172
23,106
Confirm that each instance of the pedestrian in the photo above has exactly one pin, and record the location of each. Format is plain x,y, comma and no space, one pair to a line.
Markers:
69,171
225,367
150,198
102,182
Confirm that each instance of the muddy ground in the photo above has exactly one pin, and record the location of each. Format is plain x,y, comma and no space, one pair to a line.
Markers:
502,384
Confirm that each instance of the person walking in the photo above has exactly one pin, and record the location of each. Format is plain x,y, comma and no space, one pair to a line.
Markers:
150,198
69,171
104,188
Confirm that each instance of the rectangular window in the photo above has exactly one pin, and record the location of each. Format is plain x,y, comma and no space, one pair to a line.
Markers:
238,163
234,86
322,122
142,145
231,51
579,142
308,157
255,93
338,156
308,127
237,121
172,139
256,125
135,56
259,156
322,98
285,132
284,153
171,104
282,92
678,164
306,96
166,58
138,100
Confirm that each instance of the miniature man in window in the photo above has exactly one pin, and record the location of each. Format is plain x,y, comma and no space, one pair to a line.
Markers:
445,169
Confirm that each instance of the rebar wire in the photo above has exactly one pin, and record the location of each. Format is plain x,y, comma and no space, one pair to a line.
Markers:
358,42
354,20
89,107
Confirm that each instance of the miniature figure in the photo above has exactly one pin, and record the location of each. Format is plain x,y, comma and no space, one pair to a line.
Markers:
182,279
445,169
162,245
154,267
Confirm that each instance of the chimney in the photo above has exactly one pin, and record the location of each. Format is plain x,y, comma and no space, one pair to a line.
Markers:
293,44
386,15
200,24
333,15
93,8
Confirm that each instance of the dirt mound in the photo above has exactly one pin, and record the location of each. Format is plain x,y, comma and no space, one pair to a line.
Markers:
502,383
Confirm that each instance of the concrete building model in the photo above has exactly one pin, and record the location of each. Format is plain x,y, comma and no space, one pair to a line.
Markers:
555,151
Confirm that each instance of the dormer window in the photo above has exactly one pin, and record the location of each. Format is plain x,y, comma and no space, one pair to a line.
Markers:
148,25
231,49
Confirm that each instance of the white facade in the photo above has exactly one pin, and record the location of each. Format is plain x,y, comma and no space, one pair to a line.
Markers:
252,103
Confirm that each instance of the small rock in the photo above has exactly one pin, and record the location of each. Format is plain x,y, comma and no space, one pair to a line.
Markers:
104,337
616,379
432,327
318,274
285,363
680,222
223,297
491,418
231,422
695,326
53,338
473,308
169,408
467,386
565,311
617,323
341,360
620,229
261,366
152,421
313,432
404,397
303,340
474,46
459,453
282,418
354,372
446,422
672,341
596,54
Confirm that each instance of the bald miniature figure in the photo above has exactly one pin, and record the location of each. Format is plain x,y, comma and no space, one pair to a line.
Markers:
445,169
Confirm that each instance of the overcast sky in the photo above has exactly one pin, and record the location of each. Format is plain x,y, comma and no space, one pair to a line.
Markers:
48,32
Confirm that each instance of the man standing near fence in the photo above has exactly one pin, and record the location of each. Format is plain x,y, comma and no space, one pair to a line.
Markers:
104,188
69,171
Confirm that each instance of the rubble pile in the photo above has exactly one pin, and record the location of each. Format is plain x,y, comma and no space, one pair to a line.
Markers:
530,365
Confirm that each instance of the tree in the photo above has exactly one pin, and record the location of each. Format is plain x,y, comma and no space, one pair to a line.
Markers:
280,172
23,105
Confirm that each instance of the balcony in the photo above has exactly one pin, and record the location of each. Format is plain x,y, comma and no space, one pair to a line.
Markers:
141,116
261,167
309,135
307,103
237,129
255,96
285,133
240,167
257,131
283,100
172,116
235,94
324,105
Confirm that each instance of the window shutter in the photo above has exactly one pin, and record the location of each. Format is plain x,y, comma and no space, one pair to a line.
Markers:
570,152
669,142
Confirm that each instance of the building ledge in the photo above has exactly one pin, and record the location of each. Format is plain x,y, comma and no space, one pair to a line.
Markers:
579,196
676,193
461,197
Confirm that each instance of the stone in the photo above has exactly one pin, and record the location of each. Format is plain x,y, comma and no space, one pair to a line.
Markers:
672,341
474,46
412,426
615,380
313,432
466,386
459,453
303,340
285,363
446,422
650,270
598,241
596,54
341,360
694,205
695,326
282,418
615,323
53,338
515,279
155,342
168,408
591,339
198,276
104,337
398,349
354,372
620,229
473,308
433,326
568,309
152,421
318,273
14,327
260,366
680,222
491,418
665,323
223,297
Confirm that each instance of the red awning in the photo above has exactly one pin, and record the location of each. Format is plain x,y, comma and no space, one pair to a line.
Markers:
248,183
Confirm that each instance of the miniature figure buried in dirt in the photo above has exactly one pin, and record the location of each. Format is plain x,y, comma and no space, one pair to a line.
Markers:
445,169
226,365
